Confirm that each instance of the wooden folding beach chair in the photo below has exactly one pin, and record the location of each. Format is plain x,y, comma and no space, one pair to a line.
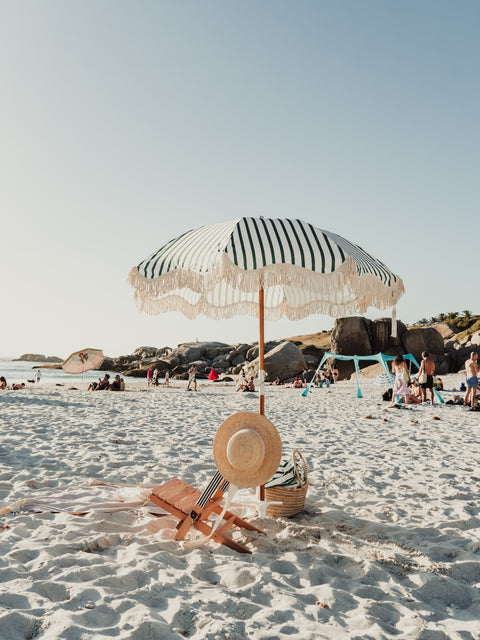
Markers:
192,507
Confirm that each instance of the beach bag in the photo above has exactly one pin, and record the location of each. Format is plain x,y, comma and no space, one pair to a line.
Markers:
422,379
289,486
405,376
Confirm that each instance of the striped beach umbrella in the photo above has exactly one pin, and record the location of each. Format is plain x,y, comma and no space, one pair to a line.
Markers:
84,360
263,267
385,380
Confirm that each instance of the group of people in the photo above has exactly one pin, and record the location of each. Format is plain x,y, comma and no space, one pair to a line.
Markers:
414,390
14,387
104,384
153,378
326,377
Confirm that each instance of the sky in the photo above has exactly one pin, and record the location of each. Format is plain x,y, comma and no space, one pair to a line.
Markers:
126,123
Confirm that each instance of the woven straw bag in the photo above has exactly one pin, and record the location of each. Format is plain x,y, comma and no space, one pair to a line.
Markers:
292,499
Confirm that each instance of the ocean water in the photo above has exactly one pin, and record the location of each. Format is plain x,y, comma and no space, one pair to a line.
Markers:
23,371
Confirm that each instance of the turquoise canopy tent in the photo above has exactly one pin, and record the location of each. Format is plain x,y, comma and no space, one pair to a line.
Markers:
377,357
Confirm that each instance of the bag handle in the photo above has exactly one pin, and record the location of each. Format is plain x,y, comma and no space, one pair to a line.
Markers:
304,465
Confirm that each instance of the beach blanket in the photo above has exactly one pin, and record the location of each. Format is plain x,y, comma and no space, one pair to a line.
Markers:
94,496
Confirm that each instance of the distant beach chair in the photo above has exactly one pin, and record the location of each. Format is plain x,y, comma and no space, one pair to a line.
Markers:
192,507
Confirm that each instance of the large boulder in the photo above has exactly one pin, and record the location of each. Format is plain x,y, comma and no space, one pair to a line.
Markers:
108,364
237,355
136,373
381,336
351,336
145,352
283,361
425,339
457,358
186,353
444,330
311,351
192,351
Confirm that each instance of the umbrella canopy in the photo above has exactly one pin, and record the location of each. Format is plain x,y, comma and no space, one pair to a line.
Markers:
83,360
263,267
385,379
218,270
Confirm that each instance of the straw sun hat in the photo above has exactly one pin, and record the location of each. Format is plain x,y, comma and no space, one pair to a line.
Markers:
247,449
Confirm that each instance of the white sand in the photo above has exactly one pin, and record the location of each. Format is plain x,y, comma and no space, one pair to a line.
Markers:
389,542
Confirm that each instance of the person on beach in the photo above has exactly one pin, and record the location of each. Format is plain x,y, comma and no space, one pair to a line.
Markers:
415,392
167,379
3,383
471,369
17,386
38,376
241,382
192,377
428,367
335,372
149,377
155,377
298,384
100,385
327,376
402,379
304,377
116,385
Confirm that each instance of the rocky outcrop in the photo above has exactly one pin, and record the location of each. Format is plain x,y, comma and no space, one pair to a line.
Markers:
381,337
362,337
426,339
37,357
287,358
284,361
351,336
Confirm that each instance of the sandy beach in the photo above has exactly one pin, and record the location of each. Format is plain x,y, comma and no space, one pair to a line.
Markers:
387,547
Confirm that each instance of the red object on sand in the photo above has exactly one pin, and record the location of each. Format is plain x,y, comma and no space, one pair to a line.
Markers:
213,374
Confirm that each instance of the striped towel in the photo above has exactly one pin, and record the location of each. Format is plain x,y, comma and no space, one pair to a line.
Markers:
285,476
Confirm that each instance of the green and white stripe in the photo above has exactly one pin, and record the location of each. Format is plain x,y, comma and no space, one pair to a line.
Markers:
218,269
253,243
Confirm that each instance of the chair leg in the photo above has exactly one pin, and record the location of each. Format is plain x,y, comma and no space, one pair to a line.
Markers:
183,528
220,538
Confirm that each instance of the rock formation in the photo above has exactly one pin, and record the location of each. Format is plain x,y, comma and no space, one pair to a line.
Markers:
288,358
37,357
284,361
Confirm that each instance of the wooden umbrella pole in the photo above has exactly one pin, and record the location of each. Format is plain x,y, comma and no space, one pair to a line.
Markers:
261,349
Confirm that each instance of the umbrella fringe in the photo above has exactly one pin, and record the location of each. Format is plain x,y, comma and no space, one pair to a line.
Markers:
252,280
352,291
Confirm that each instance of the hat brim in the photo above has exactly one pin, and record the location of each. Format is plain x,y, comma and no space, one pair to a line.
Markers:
270,437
